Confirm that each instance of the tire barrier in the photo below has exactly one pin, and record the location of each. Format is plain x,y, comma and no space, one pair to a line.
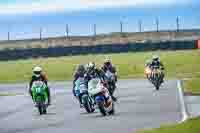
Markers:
97,49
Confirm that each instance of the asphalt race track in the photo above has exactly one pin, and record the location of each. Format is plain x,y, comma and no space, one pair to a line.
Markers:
139,106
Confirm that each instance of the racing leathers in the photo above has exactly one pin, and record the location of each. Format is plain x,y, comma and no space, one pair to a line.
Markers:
157,64
42,78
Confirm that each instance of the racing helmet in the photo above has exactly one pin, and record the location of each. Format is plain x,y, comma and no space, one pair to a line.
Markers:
37,71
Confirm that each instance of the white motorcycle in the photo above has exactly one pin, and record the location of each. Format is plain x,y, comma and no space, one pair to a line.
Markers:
83,96
101,96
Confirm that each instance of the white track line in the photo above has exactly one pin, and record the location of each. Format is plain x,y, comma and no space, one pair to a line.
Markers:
183,106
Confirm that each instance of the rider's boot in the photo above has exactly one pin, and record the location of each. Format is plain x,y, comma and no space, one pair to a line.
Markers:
162,78
113,97
49,100
74,93
80,102
31,93
49,96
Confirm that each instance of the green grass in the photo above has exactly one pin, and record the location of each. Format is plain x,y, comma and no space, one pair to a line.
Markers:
193,86
179,64
10,94
190,126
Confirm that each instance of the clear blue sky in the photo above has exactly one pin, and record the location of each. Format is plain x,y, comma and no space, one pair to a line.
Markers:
23,18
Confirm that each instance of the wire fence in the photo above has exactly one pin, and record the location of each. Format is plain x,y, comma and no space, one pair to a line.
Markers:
67,30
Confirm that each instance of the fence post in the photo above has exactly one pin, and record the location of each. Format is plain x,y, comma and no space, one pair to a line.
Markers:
8,35
95,30
121,27
67,31
140,25
40,33
157,25
177,24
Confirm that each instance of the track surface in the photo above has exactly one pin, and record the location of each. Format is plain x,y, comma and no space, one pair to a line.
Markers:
139,106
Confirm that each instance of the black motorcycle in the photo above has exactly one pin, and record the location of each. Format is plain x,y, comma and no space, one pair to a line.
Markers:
156,78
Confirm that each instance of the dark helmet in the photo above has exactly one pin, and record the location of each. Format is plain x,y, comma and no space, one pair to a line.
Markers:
81,68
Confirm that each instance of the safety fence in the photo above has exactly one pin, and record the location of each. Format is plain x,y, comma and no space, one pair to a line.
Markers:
96,49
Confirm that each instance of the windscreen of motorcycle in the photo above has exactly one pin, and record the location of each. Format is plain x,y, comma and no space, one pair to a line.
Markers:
156,71
94,86
80,84
109,75
38,86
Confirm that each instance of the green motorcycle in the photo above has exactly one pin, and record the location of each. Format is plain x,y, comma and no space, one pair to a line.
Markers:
39,90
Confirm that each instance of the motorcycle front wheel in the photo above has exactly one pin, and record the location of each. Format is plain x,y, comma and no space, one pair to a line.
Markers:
87,104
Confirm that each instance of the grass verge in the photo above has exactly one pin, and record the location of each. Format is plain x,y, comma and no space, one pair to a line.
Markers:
179,64
9,94
190,126
192,86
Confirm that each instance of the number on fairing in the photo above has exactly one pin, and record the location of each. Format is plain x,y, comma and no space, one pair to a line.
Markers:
109,74
38,90
82,88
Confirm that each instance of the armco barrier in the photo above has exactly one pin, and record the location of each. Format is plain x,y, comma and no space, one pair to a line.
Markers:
107,48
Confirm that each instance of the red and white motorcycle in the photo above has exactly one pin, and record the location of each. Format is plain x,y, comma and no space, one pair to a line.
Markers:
102,97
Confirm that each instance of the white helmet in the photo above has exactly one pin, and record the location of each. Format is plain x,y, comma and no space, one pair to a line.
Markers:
155,57
107,60
37,71
86,66
91,65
